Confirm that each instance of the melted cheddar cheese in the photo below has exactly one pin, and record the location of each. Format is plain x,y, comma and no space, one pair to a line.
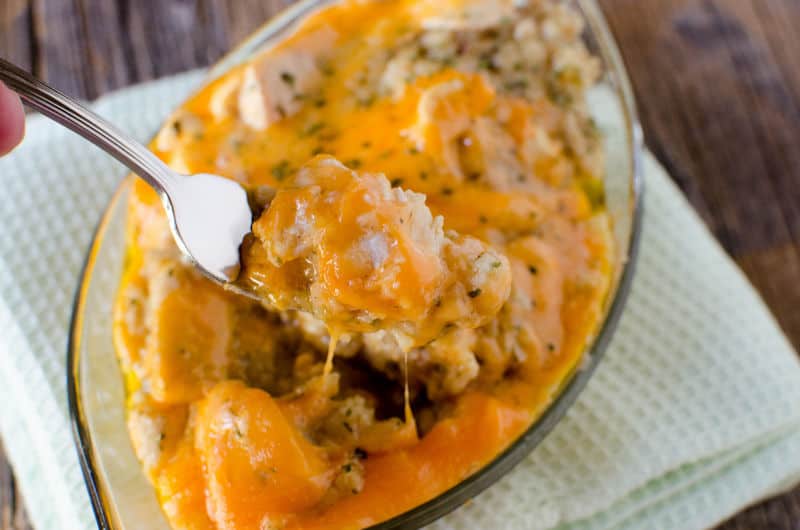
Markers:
361,256
431,249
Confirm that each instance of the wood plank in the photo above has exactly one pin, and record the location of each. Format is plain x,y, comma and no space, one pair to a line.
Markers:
165,36
779,513
15,32
86,48
775,273
715,107
12,512
169,36
717,84
105,41
642,31
60,50
779,20
244,16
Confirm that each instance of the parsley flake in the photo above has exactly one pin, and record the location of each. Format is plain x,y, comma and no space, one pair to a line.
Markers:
287,78
280,170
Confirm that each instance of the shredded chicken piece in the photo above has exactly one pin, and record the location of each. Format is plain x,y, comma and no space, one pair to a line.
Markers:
360,256
273,87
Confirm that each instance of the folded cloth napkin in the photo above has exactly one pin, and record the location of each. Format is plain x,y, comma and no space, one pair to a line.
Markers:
693,414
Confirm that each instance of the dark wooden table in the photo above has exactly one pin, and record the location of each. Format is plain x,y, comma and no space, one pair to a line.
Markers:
718,85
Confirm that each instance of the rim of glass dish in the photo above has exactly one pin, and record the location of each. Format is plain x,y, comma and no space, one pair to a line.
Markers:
501,464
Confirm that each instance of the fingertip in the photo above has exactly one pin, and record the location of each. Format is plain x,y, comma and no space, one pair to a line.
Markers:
12,120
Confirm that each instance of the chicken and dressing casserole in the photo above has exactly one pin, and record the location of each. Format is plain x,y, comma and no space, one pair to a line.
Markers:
430,248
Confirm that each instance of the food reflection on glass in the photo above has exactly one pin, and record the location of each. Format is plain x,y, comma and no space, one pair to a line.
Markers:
430,246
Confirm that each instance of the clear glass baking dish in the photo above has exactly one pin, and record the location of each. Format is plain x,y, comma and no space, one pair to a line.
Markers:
122,497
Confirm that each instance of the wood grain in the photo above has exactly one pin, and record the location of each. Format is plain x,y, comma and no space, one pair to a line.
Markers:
718,85
12,512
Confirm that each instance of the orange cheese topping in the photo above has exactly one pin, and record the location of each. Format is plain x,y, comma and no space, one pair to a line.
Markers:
257,465
358,232
362,256
460,245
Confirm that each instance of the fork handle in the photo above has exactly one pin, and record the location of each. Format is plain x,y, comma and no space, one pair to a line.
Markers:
89,125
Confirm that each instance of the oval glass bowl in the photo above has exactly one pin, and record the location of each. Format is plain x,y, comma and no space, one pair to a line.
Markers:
122,497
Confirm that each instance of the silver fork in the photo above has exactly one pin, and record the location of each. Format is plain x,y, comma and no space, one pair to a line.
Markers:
209,215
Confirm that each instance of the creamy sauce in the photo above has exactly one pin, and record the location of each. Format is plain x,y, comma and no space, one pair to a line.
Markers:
250,417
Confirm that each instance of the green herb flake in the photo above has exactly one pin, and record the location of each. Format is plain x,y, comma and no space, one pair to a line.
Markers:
474,293
595,192
516,85
329,136
447,191
532,269
280,170
326,69
313,129
355,163
396,182
497,264
591,129
287,78
367,102
557,93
